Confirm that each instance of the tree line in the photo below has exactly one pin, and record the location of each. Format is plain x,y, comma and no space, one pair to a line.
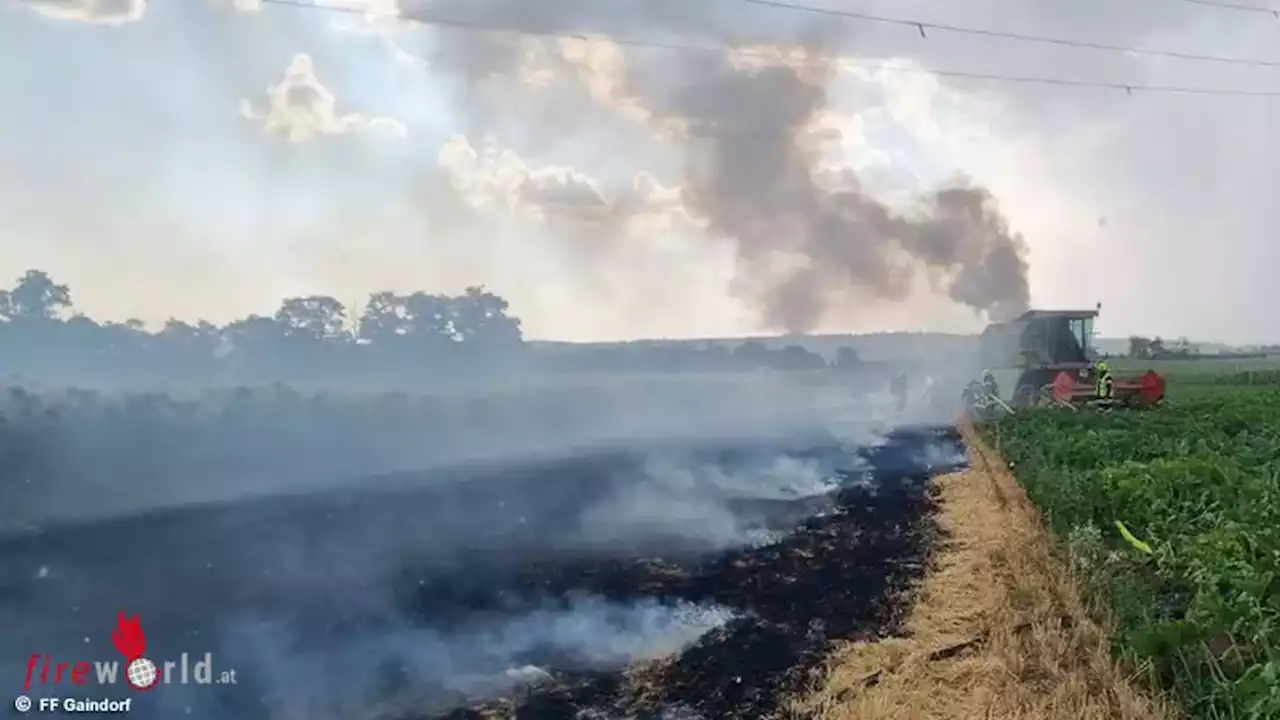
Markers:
408,339
1183,349
1157,349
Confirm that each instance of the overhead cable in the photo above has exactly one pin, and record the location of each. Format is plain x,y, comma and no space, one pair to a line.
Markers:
473,26
924,26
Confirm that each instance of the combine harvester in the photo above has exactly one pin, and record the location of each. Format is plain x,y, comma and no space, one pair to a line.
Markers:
1044,358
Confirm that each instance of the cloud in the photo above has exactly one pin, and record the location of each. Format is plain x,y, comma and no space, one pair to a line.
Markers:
497,177
245,6
588,157
365,17
100,12
301,109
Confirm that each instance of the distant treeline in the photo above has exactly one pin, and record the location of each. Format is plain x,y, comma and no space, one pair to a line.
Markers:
398,339
1183,349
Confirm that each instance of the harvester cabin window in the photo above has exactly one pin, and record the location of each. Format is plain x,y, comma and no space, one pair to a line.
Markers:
1057,344
1035,346
1082,333
1070,339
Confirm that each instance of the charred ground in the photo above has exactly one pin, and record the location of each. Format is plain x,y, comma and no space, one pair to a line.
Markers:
360,600
841,576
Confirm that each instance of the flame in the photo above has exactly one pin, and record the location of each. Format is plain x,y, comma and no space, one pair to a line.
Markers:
128,637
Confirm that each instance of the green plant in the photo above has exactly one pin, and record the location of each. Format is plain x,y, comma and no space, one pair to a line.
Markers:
1198,482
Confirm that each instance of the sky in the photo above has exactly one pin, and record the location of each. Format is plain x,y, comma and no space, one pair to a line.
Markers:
206,158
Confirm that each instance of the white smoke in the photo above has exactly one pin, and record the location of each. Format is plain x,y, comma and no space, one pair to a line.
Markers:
304,679
691,502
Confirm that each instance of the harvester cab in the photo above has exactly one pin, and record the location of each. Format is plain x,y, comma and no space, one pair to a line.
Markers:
1046,357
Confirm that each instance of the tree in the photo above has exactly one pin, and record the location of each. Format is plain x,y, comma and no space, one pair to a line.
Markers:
480,317
795,357
203,333
384,319
1157,348
430,318
1139,347
127,344
752,355
847,357
317,317
36,296
251,335
476,318
179,343
419,319
306,338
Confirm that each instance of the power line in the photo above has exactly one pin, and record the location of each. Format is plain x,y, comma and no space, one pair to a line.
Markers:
466,25
923,26
1234,6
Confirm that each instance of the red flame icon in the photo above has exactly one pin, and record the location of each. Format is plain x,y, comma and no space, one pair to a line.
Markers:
128,637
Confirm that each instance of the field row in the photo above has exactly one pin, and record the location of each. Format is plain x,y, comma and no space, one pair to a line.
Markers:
74,452
1209,370
1172,517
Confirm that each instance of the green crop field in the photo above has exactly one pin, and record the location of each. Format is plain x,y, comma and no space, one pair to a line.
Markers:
1195,590
1208,370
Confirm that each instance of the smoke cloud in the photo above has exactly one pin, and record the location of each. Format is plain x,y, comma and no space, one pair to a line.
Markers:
1079,171
742,156
750,128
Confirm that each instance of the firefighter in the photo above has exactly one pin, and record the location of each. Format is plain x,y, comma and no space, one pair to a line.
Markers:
989,385
1104,385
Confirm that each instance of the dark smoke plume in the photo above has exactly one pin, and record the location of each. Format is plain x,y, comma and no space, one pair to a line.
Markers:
806,238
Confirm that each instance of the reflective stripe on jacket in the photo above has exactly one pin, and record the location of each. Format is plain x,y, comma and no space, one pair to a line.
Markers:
1104,388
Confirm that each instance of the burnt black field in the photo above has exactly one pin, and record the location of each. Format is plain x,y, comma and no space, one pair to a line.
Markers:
501,589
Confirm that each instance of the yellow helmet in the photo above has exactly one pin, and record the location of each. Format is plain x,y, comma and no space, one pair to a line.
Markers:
1102,366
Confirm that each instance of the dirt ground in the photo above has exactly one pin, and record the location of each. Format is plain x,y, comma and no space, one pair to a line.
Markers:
998,631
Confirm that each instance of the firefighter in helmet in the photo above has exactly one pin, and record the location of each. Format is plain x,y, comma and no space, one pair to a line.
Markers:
989,385
1104,384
